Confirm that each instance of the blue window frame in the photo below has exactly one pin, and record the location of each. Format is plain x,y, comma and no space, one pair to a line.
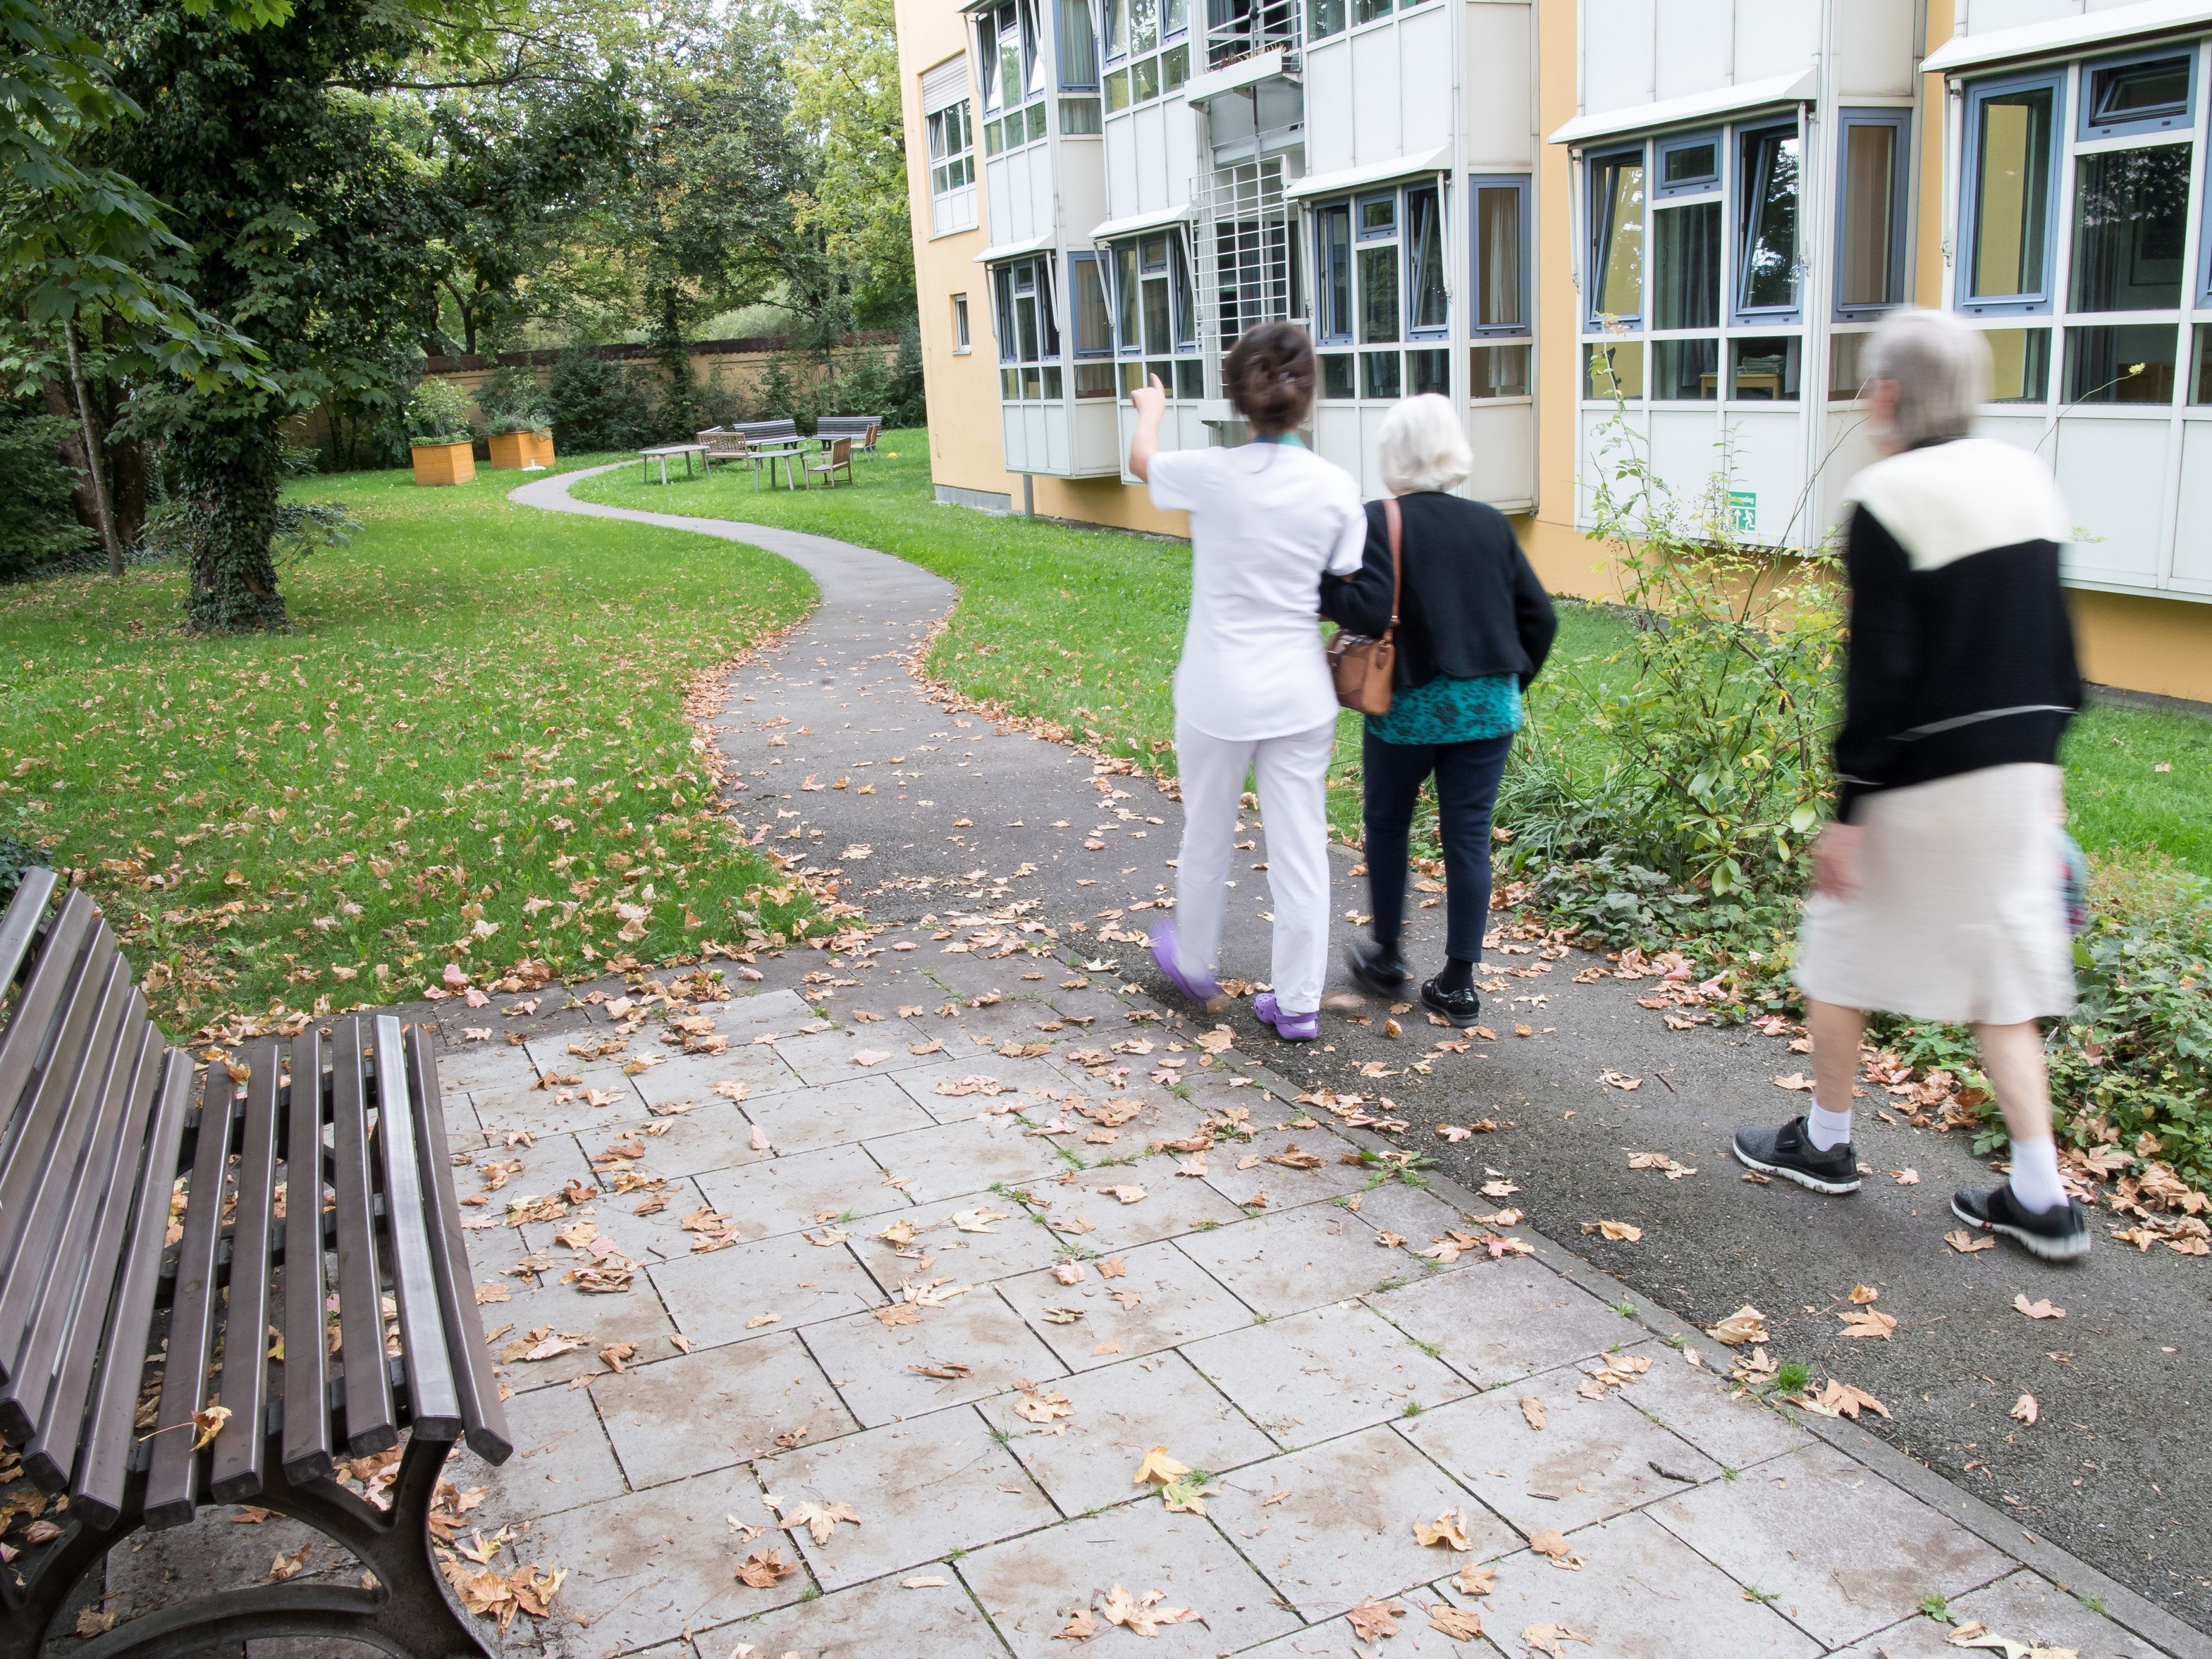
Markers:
1332,264
1769,190
2153,91
1498,243
2008,189
1687,166
1614,287
1873,188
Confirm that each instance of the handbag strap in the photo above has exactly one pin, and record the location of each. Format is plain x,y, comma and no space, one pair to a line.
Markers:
1395,520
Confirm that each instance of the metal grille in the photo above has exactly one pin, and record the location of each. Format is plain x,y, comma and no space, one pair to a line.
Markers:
1241,29
1247,255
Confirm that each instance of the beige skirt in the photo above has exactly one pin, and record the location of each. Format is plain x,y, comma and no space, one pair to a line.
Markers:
1960,914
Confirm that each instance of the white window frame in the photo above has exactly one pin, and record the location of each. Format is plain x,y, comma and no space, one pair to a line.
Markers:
947,121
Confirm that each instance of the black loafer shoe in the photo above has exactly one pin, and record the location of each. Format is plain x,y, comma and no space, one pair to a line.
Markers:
1787,1152
1461,1007
1376,968
2059,1235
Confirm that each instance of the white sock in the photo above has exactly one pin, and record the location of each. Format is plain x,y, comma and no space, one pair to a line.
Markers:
2035,1180
1827,1130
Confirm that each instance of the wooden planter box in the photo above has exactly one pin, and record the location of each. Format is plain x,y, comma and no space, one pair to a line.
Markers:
444,463
510,450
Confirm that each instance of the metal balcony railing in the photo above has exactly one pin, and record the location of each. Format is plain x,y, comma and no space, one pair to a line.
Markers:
1243,29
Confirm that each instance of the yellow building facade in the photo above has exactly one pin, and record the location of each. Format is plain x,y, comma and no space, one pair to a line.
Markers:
1670,223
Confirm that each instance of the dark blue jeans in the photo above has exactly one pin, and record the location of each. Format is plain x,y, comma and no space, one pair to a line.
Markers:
1467,776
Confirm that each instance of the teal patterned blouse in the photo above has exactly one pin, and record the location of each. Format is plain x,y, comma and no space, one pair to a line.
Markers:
1448,710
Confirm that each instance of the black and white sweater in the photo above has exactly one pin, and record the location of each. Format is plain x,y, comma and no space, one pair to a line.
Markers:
1961,649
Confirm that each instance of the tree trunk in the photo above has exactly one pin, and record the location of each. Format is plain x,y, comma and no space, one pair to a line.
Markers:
230,474
95,442
58,405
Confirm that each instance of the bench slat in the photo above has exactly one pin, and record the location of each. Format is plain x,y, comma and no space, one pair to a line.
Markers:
234,1473
173,1482
370,1426
307,1351
19,924
50,1449
66,986
56,1274
434,1403
86,1086
104,1470
483,1414
51,975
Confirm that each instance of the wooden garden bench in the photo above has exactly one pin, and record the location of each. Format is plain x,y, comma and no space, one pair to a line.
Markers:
863,430
153,1229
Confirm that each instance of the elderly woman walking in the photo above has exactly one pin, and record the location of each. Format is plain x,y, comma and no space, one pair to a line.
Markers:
1472,624
1253,691
1939,890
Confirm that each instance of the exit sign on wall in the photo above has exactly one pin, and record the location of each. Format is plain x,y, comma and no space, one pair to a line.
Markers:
1743,510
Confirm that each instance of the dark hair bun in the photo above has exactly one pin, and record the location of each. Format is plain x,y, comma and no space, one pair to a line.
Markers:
1269,376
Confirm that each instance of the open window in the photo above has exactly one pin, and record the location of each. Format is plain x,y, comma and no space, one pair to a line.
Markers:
1872,190
1616,237
2150,92
1091,322
1768,183
1498,310
1028,330
1156,315
1079,67
2011,171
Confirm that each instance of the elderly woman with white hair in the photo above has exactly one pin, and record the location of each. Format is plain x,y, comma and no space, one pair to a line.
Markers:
1472,625
1939,890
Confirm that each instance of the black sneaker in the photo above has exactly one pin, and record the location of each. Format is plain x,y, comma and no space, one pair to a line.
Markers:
1461,1007
2059,1235
1786,1151
1376,968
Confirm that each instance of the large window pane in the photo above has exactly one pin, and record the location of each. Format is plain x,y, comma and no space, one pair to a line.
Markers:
1866,266
1079,47
1378,293
1686,371
1186,301
2200,374
1145,80
1157,325
1379,376
1190,378
2020,365
1366,11
1430,370
1094,325
1032,58
2130,210
1617,235
1425,261
1144,26
1002,315
1497,371
1327,17
2132,363
1844,375
1765,370
1117,29
1498,258
1768,247
1685,277
1124,290
1336,375
1616,368
2012,193
1336,240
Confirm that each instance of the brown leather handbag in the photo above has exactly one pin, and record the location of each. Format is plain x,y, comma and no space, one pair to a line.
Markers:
1362,667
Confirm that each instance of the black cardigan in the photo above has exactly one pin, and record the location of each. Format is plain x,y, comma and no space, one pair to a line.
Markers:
1472,607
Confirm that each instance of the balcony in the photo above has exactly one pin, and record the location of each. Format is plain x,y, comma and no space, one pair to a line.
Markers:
1238,29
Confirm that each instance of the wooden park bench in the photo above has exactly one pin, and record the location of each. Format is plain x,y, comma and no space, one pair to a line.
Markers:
154,1231
863,430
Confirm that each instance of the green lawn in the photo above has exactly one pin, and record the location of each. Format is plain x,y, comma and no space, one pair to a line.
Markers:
478,706
1083,627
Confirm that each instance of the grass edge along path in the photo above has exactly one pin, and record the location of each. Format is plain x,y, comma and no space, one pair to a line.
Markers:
471,758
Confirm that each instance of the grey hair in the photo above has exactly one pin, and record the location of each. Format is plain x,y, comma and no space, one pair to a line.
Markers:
1422,445
1940,368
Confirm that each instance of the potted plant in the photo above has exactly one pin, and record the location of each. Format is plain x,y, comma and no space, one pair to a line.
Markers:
518,419
438,430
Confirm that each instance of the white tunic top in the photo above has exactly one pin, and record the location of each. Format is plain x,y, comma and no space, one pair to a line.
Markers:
1266,519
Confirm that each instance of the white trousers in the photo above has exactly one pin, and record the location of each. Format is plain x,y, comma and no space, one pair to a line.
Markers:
1292,774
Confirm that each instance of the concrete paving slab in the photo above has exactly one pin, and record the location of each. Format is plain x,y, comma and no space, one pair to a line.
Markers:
567,1108
956,1158
814,1118
1323,1373
713,1136
757,1067
1015,1242
1088,1459
492,1068
2023,1608
1845,1552
785,1195
1641,1596
775,1283
828,1057
1502,1320
973,1347
561,1458
1084,1212
1416,1638
922,1488
1022,1082
1733,1430
1030,1587
1300,1258
1160,1299
1592,1458
1415,1214
720,1406
1285,1187
873,1620
635,1316
1334,1524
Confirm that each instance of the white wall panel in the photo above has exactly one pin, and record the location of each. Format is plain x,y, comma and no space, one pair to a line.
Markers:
1123,192
1769,461
1375,97
1151,158
1328,105
1013,437
1598,431
2112,473
1424,87
1336,436
1082,187
1985,15
1874,49
999,197
1042,193
1181,124
1057,452
1850,449
1683,448
1495,85
1694,47
1503,438
1617,57
2192,548
1777,37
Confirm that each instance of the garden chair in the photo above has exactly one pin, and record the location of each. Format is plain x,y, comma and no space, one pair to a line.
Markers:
729,444
840,454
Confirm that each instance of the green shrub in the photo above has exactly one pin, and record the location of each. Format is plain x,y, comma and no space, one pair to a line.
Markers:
438,413
16,857
596,405
39,526
512,400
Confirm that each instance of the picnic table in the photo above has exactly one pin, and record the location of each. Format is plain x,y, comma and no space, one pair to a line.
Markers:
793,453
660,453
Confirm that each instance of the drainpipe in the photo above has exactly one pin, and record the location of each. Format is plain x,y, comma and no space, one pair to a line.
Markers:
1028,497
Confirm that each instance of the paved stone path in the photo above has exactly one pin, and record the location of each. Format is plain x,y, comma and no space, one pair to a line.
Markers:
899,1248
